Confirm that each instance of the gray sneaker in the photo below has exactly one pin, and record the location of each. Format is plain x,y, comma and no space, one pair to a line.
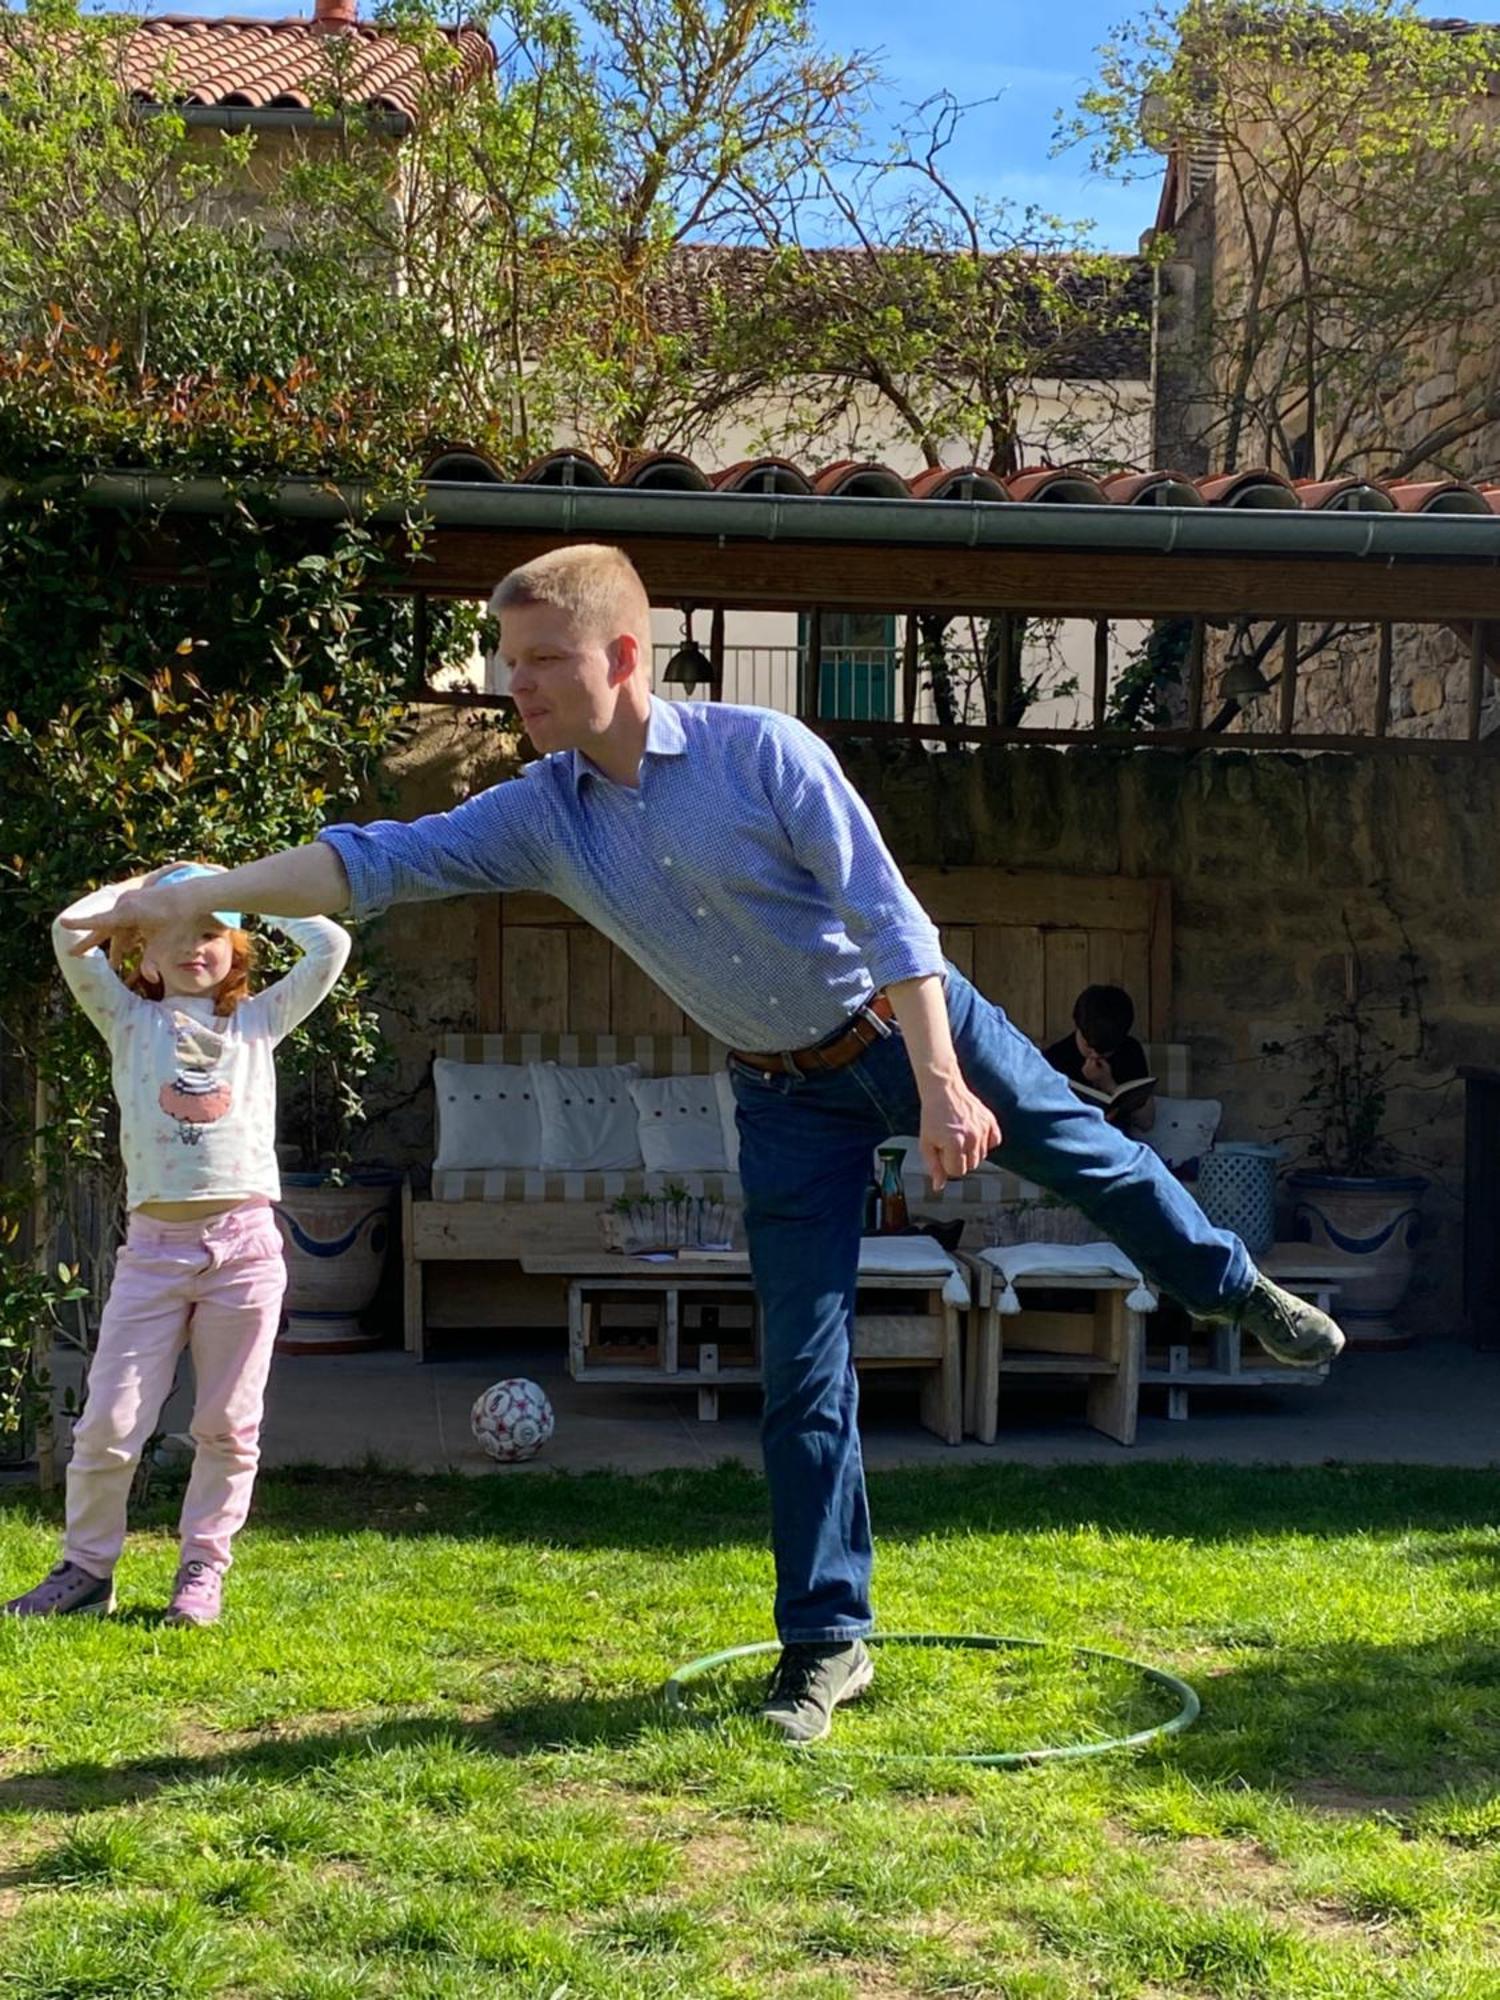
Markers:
808,1685
66,1589
196,1594
1288,1328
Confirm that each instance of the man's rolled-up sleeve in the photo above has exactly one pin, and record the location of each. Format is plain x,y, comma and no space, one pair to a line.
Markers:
491,842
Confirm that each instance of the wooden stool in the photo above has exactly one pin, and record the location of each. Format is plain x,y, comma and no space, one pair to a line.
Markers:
1105,1347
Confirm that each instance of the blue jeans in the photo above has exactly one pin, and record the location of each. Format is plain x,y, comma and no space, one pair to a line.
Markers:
805,1155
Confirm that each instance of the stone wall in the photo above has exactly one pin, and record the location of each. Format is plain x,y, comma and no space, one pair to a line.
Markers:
1268,855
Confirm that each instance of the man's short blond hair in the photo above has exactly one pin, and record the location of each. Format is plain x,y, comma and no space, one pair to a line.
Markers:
598,587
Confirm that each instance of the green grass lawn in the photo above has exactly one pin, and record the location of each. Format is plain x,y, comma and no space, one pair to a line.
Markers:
424,1755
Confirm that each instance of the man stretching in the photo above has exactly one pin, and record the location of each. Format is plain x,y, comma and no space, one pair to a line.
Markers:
724,849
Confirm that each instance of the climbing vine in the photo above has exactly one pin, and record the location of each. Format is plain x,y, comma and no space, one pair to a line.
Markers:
219,705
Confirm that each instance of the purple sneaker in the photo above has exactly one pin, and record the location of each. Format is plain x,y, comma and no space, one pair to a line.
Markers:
66,1589
195,1595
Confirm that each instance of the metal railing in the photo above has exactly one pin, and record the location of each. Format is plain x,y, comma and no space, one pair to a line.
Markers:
858,684
869,684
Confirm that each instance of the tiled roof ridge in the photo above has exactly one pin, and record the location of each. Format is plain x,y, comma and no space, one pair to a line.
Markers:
1117,349
240,63
303,24
1256,487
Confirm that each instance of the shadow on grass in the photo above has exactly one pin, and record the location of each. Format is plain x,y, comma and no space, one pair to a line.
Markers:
694,1508
1352,1728
1351,1721
522,1729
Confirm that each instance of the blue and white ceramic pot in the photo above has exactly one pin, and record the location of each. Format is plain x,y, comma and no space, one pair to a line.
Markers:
336,1241
1367,1227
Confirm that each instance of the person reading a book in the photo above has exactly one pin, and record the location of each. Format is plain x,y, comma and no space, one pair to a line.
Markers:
1104,1062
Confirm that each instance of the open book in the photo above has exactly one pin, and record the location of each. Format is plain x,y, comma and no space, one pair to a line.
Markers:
1123,1100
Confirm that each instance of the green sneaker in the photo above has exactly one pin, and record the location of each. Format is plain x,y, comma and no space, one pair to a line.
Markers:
808,1685
1288,1328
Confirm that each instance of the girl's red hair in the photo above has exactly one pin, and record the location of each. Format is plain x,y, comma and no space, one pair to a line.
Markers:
233,987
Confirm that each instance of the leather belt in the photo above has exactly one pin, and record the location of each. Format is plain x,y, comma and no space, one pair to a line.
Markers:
837,1051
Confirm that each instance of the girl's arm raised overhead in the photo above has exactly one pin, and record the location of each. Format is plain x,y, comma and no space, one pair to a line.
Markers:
277,1009
299,882
94,984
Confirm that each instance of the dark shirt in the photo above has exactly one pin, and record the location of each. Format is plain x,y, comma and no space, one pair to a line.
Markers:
1126,1064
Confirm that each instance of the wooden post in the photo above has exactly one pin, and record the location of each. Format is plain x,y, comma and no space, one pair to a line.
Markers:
413,1311
716,654
41,1358
421,635
1195,676
1005,679
1289,679
1383,678
1476,676
1101,670
910,669
811,667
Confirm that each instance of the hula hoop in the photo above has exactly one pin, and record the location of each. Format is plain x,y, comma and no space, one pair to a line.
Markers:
977,1642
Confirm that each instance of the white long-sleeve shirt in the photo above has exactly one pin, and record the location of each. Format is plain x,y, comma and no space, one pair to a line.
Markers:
197,1090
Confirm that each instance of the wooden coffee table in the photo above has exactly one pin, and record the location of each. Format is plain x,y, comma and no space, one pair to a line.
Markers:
703,1305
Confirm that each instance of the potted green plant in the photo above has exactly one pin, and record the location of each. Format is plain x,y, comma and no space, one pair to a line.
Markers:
670,1220
1351,1198
336,1218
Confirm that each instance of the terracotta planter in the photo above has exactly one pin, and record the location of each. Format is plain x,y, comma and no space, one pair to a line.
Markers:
336,1241
1368,1227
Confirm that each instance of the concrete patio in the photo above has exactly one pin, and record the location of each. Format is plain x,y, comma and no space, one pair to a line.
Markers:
1437,1403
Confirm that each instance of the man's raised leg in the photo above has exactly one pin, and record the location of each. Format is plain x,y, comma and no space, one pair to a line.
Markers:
1052,1137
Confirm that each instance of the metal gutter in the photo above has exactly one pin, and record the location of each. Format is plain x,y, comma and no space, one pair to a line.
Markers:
285,118
764,517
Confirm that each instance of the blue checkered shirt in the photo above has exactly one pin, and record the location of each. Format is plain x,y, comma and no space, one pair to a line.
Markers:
743,872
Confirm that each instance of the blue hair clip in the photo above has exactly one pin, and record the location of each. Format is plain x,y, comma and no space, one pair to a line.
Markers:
231,919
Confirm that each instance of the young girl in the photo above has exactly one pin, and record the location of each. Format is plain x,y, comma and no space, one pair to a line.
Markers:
202,1262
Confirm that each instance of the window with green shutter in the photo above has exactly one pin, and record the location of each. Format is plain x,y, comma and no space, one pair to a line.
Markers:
857,675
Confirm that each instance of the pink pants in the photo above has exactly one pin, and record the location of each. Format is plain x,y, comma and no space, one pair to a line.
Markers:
215,1287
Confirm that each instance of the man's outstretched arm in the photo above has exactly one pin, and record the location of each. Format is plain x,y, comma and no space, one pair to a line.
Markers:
299,882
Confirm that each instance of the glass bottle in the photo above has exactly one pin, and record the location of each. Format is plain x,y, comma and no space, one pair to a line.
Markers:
893,1217
871,1223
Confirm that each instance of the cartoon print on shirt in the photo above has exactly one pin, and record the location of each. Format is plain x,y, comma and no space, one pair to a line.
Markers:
197,1095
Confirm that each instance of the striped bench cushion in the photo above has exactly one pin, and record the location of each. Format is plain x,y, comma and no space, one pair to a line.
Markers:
658,1055
697,1055
518,1184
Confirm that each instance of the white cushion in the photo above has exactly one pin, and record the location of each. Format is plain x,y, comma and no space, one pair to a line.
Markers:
588,1118
920,1256
724,1085
487,1116
681,1126
1062,1264
1048,1261
1183,1130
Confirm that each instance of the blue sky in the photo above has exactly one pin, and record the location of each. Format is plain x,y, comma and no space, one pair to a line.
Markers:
1034,57
1039,56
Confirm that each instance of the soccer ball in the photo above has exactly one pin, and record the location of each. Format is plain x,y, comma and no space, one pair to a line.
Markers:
512,1420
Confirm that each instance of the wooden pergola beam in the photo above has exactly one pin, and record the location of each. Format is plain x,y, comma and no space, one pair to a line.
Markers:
1043,582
